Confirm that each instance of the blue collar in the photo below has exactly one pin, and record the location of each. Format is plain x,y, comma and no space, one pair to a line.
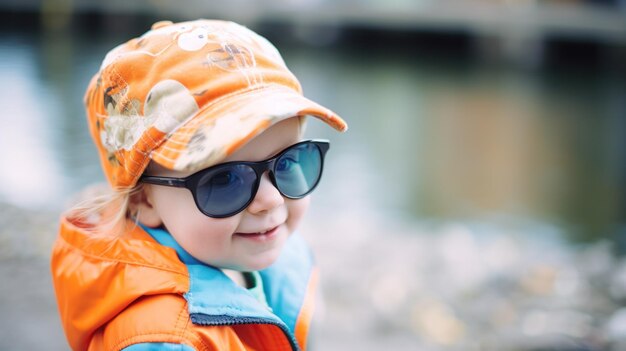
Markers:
211,292
219,300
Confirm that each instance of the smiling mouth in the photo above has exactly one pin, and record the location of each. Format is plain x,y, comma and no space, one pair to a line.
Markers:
265,234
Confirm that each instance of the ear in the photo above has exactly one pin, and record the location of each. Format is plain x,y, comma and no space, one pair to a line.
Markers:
141,204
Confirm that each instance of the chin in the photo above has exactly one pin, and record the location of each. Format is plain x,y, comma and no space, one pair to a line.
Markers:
260,263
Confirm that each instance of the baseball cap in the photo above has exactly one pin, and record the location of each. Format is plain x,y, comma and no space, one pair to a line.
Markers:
186,95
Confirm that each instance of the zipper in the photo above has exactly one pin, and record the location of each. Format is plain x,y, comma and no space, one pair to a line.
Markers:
218,320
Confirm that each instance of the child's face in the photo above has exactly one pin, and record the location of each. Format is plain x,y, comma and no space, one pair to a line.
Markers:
250,240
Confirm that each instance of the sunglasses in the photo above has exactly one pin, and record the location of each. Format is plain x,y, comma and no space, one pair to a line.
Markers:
228,188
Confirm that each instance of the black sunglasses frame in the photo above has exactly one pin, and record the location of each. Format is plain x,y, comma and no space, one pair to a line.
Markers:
260,167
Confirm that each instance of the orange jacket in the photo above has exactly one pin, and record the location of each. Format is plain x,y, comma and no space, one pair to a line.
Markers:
115,292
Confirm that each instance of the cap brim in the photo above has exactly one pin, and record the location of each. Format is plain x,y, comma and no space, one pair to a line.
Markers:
221,128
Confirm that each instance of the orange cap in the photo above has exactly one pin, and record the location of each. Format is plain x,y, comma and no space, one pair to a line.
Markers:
187,95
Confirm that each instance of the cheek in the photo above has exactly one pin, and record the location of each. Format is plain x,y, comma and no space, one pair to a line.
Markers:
182,218
297,209
203,237
170,203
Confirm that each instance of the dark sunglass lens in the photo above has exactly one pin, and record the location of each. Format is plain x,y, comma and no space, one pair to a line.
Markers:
226,190
298,170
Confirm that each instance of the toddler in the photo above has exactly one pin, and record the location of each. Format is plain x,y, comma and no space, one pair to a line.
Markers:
198,126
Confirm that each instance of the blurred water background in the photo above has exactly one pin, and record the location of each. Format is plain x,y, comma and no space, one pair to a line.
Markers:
478,201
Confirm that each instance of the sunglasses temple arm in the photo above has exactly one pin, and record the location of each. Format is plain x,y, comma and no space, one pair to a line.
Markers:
167,181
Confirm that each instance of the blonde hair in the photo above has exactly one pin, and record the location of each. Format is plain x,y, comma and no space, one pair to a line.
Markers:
99,209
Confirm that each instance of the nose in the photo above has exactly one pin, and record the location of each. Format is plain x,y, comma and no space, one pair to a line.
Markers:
267,197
